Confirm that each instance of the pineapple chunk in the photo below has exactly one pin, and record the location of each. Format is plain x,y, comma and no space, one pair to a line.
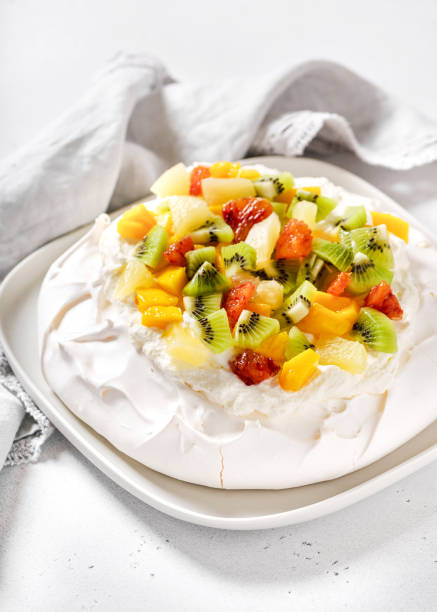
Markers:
274,346
153,297
395,225
173,279
346,354
184,346
263,237
134,275
161,316
269,292
306,212
174,181
188,213
297,371
220,190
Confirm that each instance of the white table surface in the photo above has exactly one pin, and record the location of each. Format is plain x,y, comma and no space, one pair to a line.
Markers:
70,539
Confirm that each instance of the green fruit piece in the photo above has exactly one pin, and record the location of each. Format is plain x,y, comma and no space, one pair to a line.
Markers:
252,328
207,280
215,332
375,330
153,246
280,209
345,239
282,270
237,257
309,269
202,305
324,205
297,343
271,187
297,306
194,259
335,253
373,242
366,274
353,217
213,230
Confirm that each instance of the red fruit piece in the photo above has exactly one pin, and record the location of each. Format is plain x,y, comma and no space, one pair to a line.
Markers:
175,254
236,300
252,368
242,214
339,284
382,298
197,175
294,241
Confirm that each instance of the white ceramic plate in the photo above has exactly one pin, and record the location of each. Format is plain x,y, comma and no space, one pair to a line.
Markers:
197,504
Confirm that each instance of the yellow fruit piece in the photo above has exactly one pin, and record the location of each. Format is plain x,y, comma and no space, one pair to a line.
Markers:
286,196
263,237
262,309
269,292
135,223
332,302
395,225
174,181
217,210
315,190
185,347
346,354
217,191
274,347
134,275
188,213
318,233
153,297
224,169
165,220
297,371
161,316
173,279
219,263
249,173
306,212
321,321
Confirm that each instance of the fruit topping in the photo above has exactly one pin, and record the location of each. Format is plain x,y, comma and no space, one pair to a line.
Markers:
161,316
252,328
153,297
284,271
202,305
225,169
374,329
175,254
188,213
207,280
395,225
345,354
271,187
330,317
269,292
252,368
214,331
184,346
174,181
217,191
324,205
238,257
135,223
197,175
274,346
353,217
297,306
242,214
371,241
263,237
309,269
365,274
236,300
262,309
213,230
153,246
337,254
294,241
296,372
197,257
306,212
382,298
249,173
134,275
339,284
297,342
172,279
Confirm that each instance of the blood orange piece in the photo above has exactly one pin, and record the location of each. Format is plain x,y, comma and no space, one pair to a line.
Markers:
252,368
197,175
382,298
175,254
236,300
339,284
294,241
242,214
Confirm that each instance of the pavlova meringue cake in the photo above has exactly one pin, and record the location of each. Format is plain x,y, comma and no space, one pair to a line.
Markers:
246,329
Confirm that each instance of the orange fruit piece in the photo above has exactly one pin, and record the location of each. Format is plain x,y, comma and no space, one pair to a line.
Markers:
395,225
136,223
161,316
297,371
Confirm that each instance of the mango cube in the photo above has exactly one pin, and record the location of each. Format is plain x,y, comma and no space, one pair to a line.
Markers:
173,279
161,316
274,346
224,169
153,297
136,223
394,224
297,371
321,321
249,173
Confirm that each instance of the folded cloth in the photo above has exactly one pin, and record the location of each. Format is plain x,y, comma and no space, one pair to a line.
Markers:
136,120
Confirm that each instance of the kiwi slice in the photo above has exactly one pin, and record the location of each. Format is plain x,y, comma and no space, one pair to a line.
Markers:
297,343
237,257
214,229
215,332
366,274
324,205
297,306
353,217
309,269
375,330
194,259
271,186
335,253
373,242
153,246
252,328
202,305
282,270
280,209
207,280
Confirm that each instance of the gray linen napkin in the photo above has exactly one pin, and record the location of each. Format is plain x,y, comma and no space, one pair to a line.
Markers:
136,120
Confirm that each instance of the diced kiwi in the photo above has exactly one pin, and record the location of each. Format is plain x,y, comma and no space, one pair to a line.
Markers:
153,246
282,270
215,332
207,280
345,239
194,259
335,253
213,230
324,205
252,328
280,209
237,257
373,242
309,269
297,306
353,217
297,343
272,186
375,330
202,305
366,274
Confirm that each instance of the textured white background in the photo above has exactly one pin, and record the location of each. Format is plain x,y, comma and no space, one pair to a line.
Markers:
71,539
